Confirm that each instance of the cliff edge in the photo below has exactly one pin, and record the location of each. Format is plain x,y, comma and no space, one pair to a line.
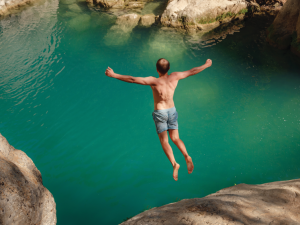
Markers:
23,198
272,203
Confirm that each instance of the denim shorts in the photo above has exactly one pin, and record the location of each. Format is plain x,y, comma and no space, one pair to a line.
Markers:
165,119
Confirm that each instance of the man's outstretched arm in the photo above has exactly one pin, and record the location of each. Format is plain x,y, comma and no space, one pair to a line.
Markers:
130,79
191,72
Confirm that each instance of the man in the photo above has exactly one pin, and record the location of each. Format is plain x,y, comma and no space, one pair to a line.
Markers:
165,115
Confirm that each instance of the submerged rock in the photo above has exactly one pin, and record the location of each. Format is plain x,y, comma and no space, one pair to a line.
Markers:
119,33
80,23
271,203
75,8
285,30
67,2
164,43
23,198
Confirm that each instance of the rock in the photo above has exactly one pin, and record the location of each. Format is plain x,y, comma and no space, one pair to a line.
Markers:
108,3
75,8
10,5
164,43
119,33
135,5
80,23
190,13
271,203
128,20
156,8
147,20
285,30
102,19
23,198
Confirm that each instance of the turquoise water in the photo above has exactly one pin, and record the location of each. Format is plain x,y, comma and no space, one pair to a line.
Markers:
93,137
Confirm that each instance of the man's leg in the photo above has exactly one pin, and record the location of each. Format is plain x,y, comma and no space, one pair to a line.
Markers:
163,137
174,135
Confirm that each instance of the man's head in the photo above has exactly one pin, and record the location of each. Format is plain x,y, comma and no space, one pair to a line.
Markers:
162,66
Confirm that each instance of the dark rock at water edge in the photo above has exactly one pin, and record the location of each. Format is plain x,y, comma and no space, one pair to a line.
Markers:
272,203
23,198
284,33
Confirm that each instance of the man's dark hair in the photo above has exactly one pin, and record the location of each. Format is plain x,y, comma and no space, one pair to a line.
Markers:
162,65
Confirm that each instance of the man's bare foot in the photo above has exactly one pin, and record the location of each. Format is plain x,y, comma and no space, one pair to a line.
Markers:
175,171
189,163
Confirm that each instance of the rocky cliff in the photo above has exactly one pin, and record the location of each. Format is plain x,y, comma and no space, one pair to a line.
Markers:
271,203
284,33
23,198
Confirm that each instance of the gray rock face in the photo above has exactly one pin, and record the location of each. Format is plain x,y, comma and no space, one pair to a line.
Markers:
271,203
181,13
23,198
285,30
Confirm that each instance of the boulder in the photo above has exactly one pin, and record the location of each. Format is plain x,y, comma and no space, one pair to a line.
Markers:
164,43
128,20
271,203
285,30
80,22
23,198
75,8
108,3
147,20
190,13
119,33
135,5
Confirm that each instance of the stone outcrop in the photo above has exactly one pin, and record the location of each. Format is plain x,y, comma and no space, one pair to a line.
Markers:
7,5
23,198
202,15
285,30
271,203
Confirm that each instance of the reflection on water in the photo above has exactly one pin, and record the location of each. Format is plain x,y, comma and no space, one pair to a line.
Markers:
93,137
26,60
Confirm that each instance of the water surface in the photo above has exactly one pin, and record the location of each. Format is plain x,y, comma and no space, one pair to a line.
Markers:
93,137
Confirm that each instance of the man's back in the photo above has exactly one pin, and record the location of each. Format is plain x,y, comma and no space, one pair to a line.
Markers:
165,114
163,91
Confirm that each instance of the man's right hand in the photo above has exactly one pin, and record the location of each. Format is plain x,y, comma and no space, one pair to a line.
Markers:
109,72
208,62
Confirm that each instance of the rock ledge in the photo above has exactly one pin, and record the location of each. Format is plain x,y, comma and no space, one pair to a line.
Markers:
23,198
272,203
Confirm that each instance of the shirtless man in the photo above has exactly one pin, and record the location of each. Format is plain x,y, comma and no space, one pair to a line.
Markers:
165,115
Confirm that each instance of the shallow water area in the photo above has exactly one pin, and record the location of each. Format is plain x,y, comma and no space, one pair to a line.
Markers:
93,137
